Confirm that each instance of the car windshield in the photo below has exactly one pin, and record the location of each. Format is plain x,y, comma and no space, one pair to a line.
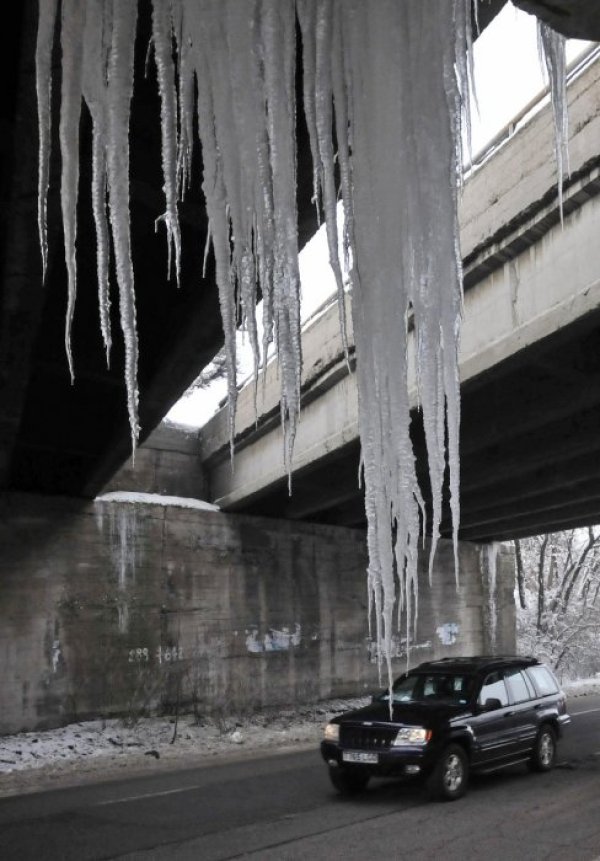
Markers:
432,687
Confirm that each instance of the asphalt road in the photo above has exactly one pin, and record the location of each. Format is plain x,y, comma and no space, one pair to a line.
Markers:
283,807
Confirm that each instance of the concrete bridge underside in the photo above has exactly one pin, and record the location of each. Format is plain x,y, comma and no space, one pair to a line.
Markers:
530,361
62,439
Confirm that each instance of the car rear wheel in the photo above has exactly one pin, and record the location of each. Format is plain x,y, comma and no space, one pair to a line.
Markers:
543,755
348,782
451,774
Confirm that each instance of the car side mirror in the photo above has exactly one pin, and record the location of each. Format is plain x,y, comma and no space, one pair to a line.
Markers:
491,704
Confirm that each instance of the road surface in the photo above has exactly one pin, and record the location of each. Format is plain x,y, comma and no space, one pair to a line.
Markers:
282,807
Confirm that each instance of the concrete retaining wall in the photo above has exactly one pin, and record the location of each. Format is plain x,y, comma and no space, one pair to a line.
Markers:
168,462
115,608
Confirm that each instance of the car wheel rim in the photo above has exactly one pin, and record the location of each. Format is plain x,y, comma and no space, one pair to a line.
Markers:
453,773
546,749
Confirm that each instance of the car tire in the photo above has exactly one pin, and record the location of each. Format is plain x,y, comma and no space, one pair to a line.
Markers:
348,782
450,778
543,755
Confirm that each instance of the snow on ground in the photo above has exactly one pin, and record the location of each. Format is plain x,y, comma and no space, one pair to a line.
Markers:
582,687
94,750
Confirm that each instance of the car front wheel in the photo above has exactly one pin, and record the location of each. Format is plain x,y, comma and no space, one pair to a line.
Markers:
348,782
543,756
451,774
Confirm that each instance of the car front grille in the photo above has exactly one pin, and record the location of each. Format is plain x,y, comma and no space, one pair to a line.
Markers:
366,737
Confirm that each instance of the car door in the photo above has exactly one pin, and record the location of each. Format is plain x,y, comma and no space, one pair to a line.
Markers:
523,700
493,739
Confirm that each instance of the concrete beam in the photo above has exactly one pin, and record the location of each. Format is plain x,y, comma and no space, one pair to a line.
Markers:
576,19
531,298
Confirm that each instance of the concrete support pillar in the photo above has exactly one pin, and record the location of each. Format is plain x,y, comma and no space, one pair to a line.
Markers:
499,616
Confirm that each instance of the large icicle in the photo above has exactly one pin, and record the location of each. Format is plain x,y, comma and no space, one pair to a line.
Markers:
278,38
72,29
162,37
384,81
398,66
120,91
552,49
43,82
95,71
316,21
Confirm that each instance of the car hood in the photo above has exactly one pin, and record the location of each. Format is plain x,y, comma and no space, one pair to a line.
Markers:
410,714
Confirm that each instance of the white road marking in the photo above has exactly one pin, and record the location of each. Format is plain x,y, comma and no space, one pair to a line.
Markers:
147,795
198,786
585,712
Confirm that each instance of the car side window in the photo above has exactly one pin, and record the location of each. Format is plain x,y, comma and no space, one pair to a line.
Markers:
493,688
543,680
517,685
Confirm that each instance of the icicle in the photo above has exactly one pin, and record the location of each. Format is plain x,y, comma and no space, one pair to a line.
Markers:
186,102
43,81
277,26
325,152
96,50
551,47
120,89
404,256
72,26
123,530
163,55
392,79
307,12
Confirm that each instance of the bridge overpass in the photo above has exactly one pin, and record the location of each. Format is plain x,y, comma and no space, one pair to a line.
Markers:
58,438
529,361
103,603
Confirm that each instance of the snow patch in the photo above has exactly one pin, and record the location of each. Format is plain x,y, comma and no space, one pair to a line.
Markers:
134,498
92,747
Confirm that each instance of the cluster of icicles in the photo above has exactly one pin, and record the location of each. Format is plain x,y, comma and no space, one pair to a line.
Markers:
384,86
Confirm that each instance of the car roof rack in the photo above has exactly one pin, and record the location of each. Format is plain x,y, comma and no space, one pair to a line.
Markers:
477,660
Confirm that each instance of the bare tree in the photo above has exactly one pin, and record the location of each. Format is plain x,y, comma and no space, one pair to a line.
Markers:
558,580
215,370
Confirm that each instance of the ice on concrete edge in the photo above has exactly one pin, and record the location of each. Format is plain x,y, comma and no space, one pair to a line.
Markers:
133,497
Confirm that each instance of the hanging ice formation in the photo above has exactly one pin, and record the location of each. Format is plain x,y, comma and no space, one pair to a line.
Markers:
384,84
552,50
397,74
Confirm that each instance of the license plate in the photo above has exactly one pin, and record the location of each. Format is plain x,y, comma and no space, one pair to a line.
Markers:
360,756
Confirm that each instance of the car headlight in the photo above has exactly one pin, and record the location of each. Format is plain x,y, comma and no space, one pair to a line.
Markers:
412,735
332,732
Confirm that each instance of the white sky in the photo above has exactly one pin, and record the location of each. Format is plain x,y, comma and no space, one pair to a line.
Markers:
507,77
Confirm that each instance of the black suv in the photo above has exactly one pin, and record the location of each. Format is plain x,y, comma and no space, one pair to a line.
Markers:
448,718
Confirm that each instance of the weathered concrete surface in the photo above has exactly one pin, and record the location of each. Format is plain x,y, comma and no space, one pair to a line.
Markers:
168,463
113,608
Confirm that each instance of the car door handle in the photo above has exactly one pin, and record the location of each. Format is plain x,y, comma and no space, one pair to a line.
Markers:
508,714
538,706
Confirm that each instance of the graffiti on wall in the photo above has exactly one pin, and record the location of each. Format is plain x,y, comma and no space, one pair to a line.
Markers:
162,655
273,640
